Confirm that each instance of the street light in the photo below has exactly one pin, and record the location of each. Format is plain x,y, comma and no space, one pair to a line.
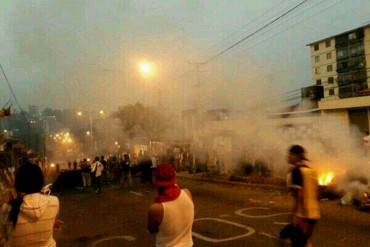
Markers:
145,68
101,112
79,113
88,133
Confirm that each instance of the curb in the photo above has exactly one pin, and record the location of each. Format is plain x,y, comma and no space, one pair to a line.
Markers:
235,183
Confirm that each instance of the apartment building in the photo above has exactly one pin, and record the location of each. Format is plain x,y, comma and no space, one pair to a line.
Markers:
341,65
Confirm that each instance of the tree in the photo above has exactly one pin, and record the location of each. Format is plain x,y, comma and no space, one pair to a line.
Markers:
139,121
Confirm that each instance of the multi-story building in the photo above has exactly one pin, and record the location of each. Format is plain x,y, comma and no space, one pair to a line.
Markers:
341,65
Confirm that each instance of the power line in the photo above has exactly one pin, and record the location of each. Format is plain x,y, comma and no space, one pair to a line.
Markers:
254,33
10,88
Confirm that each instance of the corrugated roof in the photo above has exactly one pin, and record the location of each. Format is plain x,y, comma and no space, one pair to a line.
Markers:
348,31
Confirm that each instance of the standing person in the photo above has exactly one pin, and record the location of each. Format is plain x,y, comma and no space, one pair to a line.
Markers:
97,170
303,183
125,170
69,165
32,215
171,216
75,165
85,170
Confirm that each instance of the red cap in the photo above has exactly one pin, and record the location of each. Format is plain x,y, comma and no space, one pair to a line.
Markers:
165,176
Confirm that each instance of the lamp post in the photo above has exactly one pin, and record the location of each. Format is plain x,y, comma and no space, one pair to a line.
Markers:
90,133
147,70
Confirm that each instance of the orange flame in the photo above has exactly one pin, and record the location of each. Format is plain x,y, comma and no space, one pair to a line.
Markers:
326,178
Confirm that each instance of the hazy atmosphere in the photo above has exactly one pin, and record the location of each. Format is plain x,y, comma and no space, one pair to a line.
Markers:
184,123
69,54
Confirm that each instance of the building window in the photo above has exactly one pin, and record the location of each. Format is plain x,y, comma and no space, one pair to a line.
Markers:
317,59
331,92
352,36
318,82
316,47
331,80
328,43
328,56
329,68
317,70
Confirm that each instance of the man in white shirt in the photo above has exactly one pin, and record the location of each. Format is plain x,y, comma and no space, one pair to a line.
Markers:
97,170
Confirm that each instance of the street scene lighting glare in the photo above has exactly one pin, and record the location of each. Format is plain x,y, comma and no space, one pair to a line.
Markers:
88,133
52,165
79,113
146,69
101,112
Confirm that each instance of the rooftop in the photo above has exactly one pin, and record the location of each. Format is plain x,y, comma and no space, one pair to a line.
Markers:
348,31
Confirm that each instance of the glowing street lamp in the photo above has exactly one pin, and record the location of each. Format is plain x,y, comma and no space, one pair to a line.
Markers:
88,133
101,112
79,113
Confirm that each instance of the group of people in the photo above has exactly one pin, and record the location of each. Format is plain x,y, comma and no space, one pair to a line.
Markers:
33,216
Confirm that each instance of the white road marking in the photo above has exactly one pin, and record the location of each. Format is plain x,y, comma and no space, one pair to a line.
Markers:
123,237
224,215
281,223
268,235
240,212
249,230
136,193
255,201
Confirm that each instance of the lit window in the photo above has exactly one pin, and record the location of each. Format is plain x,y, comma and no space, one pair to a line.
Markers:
329,68
328,56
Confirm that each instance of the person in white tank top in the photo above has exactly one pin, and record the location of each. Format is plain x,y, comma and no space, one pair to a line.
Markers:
171,217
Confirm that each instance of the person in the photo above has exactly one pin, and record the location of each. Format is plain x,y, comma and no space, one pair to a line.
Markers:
69,165
125,170
32,215
97,170
75,165
303,183
171,216
85,170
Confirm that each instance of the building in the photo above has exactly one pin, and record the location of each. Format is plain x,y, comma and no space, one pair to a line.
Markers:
341,65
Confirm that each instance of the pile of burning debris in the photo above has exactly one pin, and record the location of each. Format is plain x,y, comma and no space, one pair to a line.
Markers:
354,190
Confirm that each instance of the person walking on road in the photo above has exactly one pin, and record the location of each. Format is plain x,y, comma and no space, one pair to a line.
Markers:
85,170
97,170
171,216
303,183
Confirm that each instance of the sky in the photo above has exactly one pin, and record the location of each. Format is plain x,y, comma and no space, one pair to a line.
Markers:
84,54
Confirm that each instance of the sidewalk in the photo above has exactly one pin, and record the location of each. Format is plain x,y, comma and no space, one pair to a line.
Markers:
252,182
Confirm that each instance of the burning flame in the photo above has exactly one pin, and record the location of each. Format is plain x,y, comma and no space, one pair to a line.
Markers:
326,178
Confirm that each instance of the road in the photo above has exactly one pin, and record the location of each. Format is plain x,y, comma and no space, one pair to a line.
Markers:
225,216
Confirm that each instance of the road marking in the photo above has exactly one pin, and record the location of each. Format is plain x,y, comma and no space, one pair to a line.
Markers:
123,237
268,235
224,215
240,212
136,193
249,230
255,201
281,223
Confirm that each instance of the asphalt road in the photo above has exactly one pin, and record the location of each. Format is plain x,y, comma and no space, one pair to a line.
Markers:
225,216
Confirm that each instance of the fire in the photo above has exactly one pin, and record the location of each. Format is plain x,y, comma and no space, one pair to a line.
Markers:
326,178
